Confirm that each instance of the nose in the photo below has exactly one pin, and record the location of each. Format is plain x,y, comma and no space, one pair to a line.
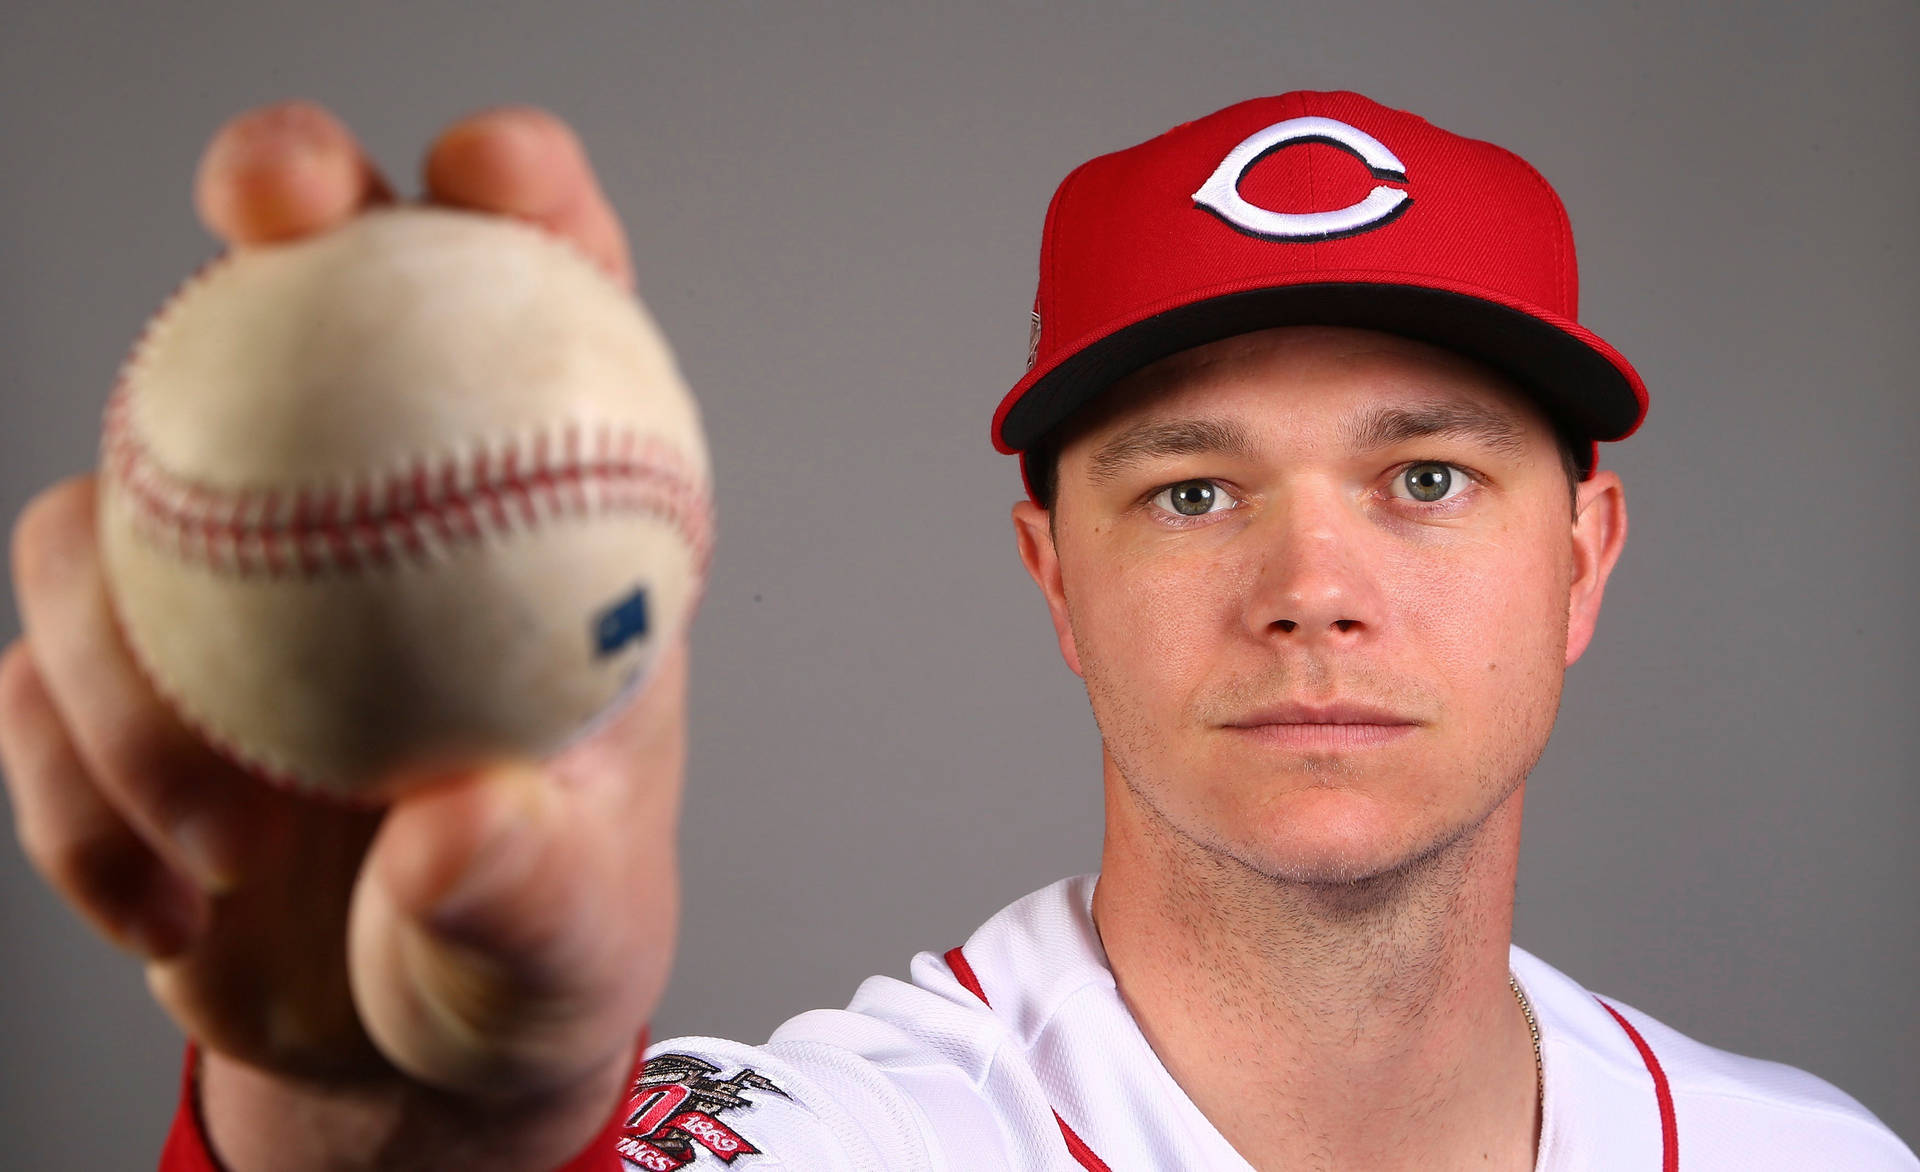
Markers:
1314,577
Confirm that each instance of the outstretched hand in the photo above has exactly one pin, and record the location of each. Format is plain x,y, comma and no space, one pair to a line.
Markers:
484,952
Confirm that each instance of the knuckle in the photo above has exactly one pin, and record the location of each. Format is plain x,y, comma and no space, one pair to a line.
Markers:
156,764
101,870
49,530
19,686
23,706
49,853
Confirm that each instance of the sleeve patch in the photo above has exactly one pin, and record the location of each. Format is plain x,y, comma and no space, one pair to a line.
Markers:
672,1115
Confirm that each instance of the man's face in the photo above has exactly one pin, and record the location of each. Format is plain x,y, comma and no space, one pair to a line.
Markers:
1322,585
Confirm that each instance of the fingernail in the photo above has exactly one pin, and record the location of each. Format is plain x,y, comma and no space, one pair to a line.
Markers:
207,851
527,133
508,847
292,138
526,147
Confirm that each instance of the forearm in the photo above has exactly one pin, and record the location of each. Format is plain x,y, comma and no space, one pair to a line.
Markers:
256,1122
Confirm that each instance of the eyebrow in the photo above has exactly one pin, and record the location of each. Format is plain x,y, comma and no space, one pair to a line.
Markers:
1384,428
1472,422
1154,439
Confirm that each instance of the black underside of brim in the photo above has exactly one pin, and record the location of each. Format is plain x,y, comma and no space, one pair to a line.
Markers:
1588,398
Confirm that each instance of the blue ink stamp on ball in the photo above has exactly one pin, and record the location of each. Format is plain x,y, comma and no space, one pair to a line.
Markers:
620,624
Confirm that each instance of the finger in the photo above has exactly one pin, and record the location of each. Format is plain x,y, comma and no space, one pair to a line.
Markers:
189,804
524,162
509,928
512,927
281,172
627,774
74,838
488,947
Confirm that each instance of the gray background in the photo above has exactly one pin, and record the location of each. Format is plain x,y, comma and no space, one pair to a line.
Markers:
835,213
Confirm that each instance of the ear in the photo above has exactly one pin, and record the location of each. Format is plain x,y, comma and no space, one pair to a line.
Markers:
1599,534
1033,528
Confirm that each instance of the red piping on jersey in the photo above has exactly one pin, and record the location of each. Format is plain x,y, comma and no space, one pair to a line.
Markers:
1669,1123
1076,1147
1662,1093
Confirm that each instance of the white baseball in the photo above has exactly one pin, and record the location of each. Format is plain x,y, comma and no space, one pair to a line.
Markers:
422,490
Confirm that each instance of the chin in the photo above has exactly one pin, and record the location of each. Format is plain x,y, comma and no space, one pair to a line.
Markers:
1333,870
1338,839
1327,867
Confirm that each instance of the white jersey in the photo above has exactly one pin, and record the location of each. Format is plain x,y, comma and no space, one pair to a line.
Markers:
1015,1052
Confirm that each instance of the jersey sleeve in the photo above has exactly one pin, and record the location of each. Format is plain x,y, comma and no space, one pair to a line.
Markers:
187,1148
707,1103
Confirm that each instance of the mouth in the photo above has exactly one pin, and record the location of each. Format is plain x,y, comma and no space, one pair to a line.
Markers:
1340,725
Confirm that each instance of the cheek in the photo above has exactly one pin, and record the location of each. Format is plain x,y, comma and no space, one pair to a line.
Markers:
1492,620
1148,627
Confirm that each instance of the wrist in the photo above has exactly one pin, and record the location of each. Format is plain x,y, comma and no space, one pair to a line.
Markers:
254,1121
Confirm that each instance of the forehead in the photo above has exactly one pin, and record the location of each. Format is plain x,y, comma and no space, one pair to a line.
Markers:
1291,378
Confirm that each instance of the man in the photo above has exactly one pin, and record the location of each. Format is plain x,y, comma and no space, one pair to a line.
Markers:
1309,435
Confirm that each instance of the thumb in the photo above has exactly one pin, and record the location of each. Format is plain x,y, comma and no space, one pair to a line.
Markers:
481,948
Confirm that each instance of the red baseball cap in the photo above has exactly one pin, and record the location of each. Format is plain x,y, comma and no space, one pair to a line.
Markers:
1312,209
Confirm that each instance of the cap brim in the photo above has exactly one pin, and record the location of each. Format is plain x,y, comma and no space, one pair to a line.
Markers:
1588,387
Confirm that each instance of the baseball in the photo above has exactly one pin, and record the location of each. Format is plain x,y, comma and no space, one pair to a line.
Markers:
425,489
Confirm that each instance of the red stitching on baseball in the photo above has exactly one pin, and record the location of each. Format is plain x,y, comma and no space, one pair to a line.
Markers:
378,521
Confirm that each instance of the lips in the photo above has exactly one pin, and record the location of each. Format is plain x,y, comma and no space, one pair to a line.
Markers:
1322,727
1337,713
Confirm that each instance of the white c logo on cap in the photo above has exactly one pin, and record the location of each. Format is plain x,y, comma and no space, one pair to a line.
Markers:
1220,194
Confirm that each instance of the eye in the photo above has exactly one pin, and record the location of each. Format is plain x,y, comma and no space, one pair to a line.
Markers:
1194,498
1429,482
